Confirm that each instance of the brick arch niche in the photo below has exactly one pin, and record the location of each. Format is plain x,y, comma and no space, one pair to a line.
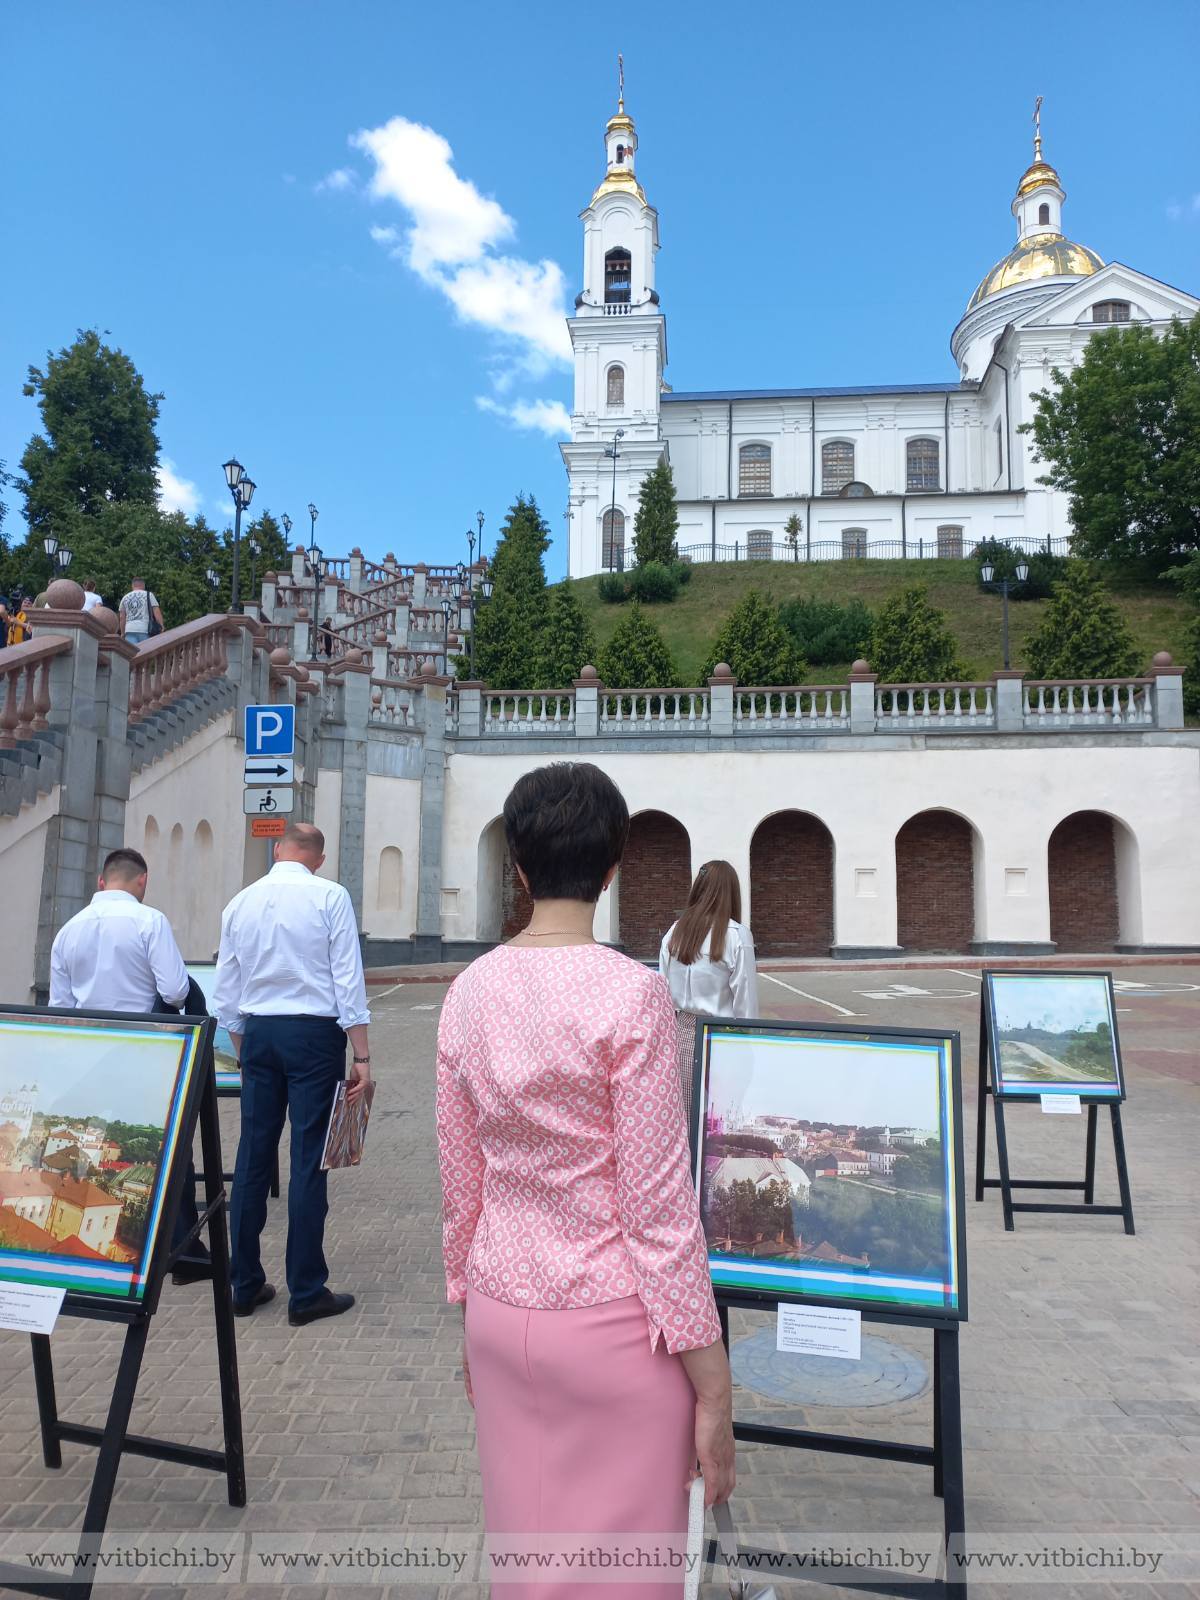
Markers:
503,906
1083,867
935,883
656,875
791,885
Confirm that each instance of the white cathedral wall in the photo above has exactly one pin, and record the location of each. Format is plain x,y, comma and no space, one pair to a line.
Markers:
22,859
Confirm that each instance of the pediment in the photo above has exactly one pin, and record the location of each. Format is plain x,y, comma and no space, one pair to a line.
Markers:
1150,300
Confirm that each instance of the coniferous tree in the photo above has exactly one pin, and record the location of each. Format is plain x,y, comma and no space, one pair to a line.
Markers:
510,628
636,657
911,641
758,648
569,643
1082,633
656,524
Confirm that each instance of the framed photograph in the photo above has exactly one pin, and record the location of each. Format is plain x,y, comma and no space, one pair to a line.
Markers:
97,1113
829,1165
1053,1033
229,1073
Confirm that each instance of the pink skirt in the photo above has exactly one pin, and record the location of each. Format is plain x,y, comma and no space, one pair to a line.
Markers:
586,1439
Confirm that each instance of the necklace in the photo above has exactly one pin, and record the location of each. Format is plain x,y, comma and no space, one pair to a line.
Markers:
553,933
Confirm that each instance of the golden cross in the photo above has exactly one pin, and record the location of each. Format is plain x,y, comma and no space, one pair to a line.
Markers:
1037,129
620,81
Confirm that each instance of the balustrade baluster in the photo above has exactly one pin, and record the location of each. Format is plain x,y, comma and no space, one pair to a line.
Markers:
8,720
25,725
41,699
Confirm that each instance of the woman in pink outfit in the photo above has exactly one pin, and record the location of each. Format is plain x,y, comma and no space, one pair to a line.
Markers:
571,1232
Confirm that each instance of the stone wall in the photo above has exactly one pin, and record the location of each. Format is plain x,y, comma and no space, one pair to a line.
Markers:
935,883
1084,911
791,886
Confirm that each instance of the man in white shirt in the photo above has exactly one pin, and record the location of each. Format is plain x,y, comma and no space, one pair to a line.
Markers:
119,954
289,988
138,608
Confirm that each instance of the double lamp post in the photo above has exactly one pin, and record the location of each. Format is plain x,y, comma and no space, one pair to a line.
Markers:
1001,586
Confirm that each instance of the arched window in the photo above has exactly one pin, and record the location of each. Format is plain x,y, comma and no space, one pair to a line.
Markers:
617,277
950,542
999,449
614,540
391,879
620,154
837,465
758,545
754,469
855,490
854,543
924,464
1111,311
616,386
1043,213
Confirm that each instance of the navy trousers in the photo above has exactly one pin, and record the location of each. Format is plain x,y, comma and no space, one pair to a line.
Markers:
290,1066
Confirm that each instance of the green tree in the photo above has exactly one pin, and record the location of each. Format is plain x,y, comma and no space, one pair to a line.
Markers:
1082,633
792,530
568,643
510,628
911,641
657,522
1121,435
99,442
827,632
636,657
1187,578
756,645
129,539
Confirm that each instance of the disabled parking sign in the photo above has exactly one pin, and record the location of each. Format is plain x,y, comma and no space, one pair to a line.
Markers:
270,730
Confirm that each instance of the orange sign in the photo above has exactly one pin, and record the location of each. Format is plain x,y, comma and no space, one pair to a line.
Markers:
267,827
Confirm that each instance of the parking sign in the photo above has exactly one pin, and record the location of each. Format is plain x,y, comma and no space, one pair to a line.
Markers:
270,730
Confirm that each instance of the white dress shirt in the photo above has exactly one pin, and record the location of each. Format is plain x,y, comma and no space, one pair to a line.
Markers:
289,948
116,955
724,988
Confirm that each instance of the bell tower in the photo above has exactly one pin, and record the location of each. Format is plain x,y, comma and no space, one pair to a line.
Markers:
618,336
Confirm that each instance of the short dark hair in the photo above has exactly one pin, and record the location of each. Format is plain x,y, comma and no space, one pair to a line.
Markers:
124,864
566,826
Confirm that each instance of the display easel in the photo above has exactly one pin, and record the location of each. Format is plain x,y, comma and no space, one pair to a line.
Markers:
1000,1096
114,1439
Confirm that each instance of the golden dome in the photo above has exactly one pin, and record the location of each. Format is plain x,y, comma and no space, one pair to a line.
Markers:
1038,174
1042,255
622,181
621,122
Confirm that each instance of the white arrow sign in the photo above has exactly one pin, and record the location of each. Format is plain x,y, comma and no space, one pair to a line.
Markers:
269,769
273,802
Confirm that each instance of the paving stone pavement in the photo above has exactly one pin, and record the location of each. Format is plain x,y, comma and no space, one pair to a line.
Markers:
1081,1376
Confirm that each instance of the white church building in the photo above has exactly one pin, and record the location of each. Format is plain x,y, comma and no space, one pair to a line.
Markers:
886,470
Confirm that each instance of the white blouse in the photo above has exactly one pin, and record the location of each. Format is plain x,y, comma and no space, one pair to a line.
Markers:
724,988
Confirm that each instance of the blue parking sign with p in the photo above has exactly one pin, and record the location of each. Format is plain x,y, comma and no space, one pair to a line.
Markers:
270,730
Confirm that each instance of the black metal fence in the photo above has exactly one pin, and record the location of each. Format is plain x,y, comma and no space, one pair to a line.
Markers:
916,549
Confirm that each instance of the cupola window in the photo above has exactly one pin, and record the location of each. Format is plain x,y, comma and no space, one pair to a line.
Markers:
1044,215
837,465
616,386
924,465
754,469
1111,311
620,154
617,277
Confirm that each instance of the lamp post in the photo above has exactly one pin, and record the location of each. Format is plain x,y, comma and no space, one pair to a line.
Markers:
316,556
313,553
612,451
242,489
471,548
213,581
255,551
479,522
474,598
58,553
1001,586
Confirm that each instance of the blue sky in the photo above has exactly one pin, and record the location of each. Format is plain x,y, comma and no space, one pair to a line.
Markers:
825,1082
831,181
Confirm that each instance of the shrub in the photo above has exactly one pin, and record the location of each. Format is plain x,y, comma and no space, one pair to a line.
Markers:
911,641
756,645
653,581
1082,633
1045,569
826,632
613,588
636,657
682,570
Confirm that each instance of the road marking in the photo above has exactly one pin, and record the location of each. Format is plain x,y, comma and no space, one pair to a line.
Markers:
958,971
405,983
842,1010
422,1008
908,991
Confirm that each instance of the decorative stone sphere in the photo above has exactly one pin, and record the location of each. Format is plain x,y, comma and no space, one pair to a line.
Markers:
379,638
391,556
588,675
64,594
355,550
354,656
281,656
429,670
270,577
107,619
302,614
299,550
1163,659
722,670
860,665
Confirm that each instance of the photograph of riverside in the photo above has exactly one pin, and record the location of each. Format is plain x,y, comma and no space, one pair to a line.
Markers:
1054,1031
827,1168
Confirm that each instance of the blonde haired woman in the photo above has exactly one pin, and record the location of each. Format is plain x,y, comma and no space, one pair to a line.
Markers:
707,957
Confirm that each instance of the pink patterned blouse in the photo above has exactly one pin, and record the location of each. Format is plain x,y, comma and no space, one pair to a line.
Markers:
563,1142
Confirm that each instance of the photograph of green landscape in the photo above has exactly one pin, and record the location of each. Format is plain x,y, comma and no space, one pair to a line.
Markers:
828,1166
1053,1033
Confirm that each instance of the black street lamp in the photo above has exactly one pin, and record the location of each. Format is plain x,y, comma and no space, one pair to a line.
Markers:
287,528
242,489
316,556
987,576
58,553
612,451
255,552
213,581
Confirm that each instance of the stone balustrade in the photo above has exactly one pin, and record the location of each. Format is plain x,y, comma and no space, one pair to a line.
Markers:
909,707
1094,703
175,662
655,711
819,708
25,693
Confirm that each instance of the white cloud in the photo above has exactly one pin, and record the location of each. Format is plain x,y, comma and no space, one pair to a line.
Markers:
1175,211
176,493
547,416
336,182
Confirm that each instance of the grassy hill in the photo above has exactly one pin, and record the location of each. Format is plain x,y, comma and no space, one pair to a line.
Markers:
1157,616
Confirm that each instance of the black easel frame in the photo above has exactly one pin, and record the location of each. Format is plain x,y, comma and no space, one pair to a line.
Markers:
944,1454
231,1093
113,1439
999,1096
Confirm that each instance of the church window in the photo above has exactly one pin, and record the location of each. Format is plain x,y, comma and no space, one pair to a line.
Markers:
837,465
854,544
614,540
616,386
950,542
620,154
1043,214
758,545
924,464
754,469
618,270
999,447
1111,311
855,490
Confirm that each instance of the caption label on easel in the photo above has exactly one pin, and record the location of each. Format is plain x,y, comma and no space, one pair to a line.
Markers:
1064,1105
29,1307
819,1331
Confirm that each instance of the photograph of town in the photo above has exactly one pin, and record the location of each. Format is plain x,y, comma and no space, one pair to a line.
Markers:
84,1113
229,1073
1054,1030
827,1167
